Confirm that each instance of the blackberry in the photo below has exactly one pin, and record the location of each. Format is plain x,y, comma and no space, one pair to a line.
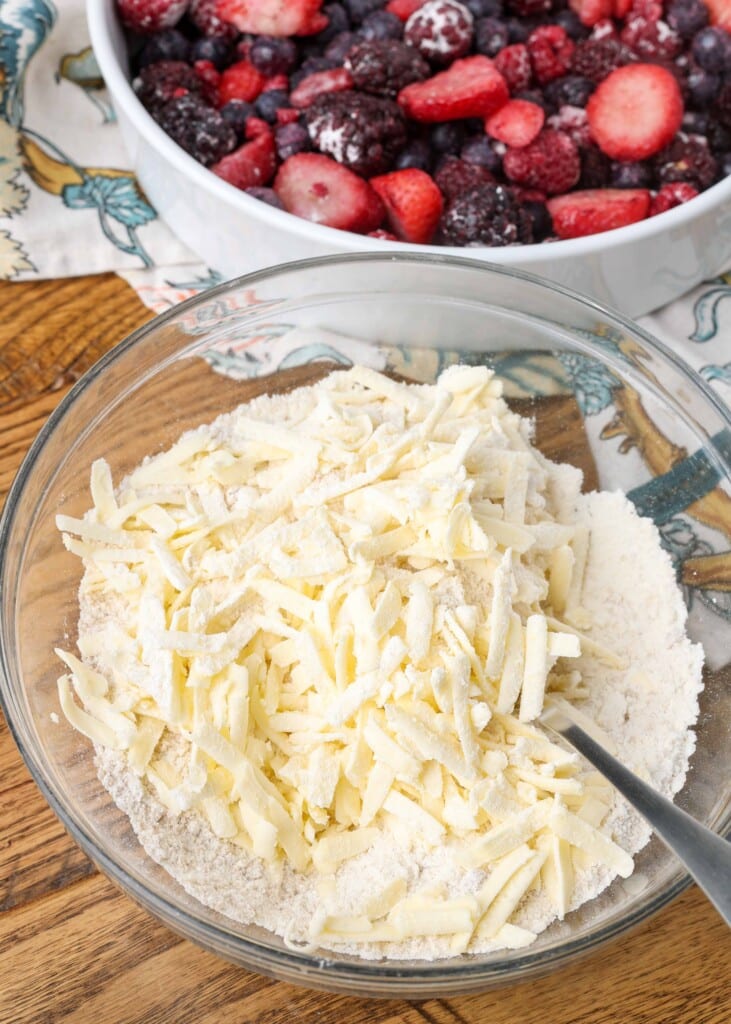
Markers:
486,215
441,31
571,91
454,177
382,25
362,132
273,55
596,58
160,82
417,153
687,17
237,113
197,128
166,45
268,103
358,10
384,66
687,158
491,36
214,49
630,175
290,139
265,195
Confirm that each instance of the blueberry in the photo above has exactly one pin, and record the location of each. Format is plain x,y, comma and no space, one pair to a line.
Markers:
337,22
237,113
290,139
484,8
479,150
265,195
358,10
447,137
570,22
268,103
695,122
571,90
216,49
725,164
518,29
491,36
711,48
630,175
273,55
382,25
417,154
703,87
166,45
542,99
542,222
341,45
687,17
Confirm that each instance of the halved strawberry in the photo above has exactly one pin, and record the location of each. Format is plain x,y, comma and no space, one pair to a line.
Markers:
621,8
413,203
274,17
471,87
321,190
403,9
286,115
318,83
517,123
635,111
601,209
592,11
250,165
719,13
240,81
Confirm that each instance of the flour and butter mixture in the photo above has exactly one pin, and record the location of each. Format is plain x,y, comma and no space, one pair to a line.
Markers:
314,639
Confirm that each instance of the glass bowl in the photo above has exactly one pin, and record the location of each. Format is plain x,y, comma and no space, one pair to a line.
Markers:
615,400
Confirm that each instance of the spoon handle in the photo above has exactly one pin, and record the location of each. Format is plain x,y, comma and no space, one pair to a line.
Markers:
707,856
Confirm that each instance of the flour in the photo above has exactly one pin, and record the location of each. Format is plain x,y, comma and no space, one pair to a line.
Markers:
647,710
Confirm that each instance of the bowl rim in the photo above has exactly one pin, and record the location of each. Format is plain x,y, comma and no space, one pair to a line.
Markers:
302,965
99,14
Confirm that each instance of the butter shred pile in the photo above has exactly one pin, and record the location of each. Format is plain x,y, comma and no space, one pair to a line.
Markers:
349,606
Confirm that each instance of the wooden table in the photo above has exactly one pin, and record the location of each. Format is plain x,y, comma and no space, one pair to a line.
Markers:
73,949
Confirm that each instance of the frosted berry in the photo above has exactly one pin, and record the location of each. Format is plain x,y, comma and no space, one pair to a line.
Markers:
669,196
712,50
166,45
338,48
631,175
159,83
265,195
447,138
382,25
703,87
417,153
364,133
551,163
651,39
455,177
337,22
571,90
214,49
480,150
514,65
551,51
268,103
687,159
151,15
596,58
487,215
358,10
491,36
687,17
441,31
385,66
273,55
237,113
290,139
197,128
204,15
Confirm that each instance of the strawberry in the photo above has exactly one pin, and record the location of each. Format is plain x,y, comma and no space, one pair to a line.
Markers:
413,203
276,82
403,9
317,84
210,79
550,163
240,81
635,111
621,8
471,87
386,236
287,115
586,213
252,164
592,11
517,123
274,17
513,63
673,194
321,190
719,13
151,15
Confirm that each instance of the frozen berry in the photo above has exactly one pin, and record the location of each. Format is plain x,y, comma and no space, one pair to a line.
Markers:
210,78
595,169
481,151
574,122
272,55
551,51
323,191
320,84
517,123
455,177
274,17
447,138
631,175
471,87
362,132
702,86
596,58
528,8
571,90
214,49
687,159
687,17
204,15
541,218
290,139
413,204
240,81
441,31
572,25
265,195
550,163
197,128
491,36
151,15
484,8
166,45
269,102
381,25
337,22
310,67
712,50
385,66
722,106
358,10
635,111
674,194
586,213
486,215
514,65
237,113
520,28
651,39
158,83
417,153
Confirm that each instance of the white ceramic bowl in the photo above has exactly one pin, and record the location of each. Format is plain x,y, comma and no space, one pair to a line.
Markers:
636,268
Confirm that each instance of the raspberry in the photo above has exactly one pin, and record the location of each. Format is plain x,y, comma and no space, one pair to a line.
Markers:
688,159
158,83
551,163
385,66
364,133
151,15
574,122
455,177
550,51
596,58
441,31
486,215
203,14
673,194
197,128
651,39
514,65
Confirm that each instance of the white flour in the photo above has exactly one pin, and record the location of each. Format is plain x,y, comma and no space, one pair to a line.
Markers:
648,711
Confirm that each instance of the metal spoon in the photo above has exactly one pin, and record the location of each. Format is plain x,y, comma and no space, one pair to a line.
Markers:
706,856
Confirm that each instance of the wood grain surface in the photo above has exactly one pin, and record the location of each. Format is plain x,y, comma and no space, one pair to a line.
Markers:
73,949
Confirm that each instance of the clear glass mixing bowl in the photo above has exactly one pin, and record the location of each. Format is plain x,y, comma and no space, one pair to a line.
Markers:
616,400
